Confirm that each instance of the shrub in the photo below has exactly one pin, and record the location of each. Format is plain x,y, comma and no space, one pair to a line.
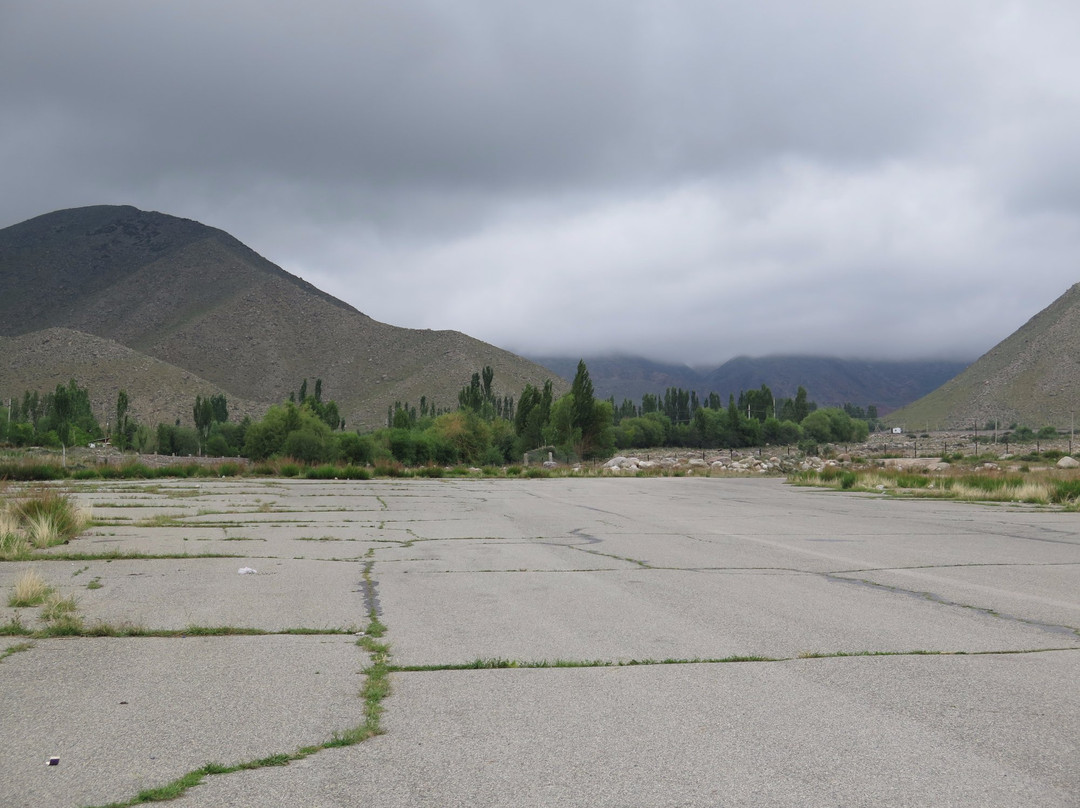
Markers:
431,471
228,469
323,472
289,469
355,448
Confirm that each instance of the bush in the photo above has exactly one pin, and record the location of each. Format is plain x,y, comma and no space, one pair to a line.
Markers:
431,471
308,446
355,448
324,472
289,469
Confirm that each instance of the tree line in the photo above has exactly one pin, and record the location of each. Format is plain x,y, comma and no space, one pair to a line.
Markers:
487,427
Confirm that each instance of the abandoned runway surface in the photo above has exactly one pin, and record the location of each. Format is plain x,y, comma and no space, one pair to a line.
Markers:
797,647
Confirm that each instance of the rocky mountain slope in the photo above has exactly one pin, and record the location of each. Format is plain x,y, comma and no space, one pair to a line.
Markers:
1031,378
197,300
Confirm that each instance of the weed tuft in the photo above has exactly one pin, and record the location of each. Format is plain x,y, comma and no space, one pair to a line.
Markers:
30,590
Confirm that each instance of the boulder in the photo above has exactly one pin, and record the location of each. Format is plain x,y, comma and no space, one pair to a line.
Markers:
1068,463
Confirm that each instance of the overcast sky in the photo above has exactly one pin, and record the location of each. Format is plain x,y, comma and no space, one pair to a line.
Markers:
688,180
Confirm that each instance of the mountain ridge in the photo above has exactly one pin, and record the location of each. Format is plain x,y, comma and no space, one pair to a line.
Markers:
830,381
196,298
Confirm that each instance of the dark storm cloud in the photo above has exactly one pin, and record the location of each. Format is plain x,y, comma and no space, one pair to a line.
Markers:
688,180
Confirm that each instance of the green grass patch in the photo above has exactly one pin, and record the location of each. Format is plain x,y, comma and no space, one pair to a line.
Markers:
1065,491
31,471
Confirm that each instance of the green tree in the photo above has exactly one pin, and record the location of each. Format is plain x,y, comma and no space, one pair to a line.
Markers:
121,413
204,417
590,420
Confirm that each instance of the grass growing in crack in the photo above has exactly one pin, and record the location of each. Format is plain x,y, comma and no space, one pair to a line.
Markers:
30,590
15,628
70,625
500,664
15,649
57,608
376,688
161,520
128,555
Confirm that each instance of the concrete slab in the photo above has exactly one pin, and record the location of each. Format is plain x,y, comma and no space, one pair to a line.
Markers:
128,714
172,594
661,614
1046,593
471,555
308,541
882,731
996,730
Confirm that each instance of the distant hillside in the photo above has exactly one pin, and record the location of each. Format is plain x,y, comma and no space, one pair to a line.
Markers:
625,376
829,381
1032,378
159,392
195,298
885,384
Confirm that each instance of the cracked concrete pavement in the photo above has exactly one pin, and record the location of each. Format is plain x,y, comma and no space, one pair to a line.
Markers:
751,608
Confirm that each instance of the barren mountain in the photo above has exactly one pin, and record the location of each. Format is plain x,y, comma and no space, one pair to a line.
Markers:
1032,378
196,299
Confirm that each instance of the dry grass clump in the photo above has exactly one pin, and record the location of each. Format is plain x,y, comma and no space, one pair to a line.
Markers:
42,519
30,590
12,540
